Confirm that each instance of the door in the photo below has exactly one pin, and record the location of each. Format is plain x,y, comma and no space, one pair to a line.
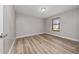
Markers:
9,27
6,29
1,29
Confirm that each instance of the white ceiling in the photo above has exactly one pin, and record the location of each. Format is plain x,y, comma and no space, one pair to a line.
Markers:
35,10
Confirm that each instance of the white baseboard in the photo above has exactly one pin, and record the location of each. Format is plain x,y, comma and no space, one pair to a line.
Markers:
69,38
11,47
28,35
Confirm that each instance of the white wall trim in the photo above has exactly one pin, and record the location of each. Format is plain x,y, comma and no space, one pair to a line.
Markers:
28,35
11,47
69,38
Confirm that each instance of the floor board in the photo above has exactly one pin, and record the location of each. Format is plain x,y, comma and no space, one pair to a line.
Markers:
45,44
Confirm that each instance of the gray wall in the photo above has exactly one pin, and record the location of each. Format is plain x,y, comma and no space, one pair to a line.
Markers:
78,22
9,26
27,26
68,26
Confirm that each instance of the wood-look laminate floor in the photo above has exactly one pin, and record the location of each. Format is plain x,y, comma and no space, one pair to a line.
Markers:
45,44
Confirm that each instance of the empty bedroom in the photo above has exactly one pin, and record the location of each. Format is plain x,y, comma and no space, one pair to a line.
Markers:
41,29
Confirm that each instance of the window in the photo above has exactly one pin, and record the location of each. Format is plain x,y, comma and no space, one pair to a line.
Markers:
56,24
